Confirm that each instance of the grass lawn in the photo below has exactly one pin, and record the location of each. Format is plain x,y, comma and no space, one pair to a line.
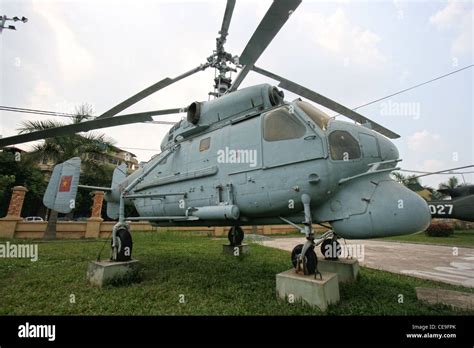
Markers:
464,238
189,264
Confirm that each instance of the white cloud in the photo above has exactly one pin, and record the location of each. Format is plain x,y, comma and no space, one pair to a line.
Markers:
431,165
423,141
404,76
397,4
456,16
463,42
43,94
342,39
74,60
446,17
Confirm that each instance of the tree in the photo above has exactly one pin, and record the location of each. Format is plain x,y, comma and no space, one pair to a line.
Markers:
406,180
452,182
398,177
20,171
6,183
413,182
90,147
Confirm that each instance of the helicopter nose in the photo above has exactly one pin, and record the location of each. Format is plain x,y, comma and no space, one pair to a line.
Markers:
392,210
397,210
388,150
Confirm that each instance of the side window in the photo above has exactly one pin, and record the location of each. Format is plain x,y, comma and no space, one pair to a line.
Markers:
369,145
204,144
343,146
280,124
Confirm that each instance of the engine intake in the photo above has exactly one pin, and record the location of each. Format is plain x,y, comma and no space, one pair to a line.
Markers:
194,113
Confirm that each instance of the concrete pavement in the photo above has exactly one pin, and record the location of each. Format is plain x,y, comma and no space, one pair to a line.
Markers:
440,263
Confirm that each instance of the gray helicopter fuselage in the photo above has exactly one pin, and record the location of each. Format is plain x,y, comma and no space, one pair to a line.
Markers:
253,152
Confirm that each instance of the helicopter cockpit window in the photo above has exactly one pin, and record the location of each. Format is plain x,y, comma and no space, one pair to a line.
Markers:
204,144
343,146
318,117
280,124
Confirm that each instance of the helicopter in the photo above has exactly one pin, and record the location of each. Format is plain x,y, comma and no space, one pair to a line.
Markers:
250,157
460,206
457,203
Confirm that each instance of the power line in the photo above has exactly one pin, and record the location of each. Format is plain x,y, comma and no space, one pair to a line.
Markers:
438,172
421,172
62,114
138,148
410,88
36,111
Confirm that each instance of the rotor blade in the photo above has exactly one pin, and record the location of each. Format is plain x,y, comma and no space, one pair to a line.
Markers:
326,102
148,91
272,22
229,9
87,126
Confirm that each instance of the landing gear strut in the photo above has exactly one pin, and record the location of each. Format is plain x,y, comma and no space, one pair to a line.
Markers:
123,244
303,256
235,235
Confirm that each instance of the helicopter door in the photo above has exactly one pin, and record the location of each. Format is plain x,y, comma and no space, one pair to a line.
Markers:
245,148
179,162
286,139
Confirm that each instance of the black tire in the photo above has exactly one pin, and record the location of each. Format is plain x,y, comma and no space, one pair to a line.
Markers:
310,260
331,249
124,245
235,235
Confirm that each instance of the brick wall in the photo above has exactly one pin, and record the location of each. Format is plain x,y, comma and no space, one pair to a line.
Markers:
16,201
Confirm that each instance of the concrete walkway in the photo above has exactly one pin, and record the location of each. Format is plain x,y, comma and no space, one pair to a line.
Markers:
440,263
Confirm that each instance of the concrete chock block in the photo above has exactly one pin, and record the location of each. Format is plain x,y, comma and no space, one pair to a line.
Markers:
102,273
347,270
292,286
235,250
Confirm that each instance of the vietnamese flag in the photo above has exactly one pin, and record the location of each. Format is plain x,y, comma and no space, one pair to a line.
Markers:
65,183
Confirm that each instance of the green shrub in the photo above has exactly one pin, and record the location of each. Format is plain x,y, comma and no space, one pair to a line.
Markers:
439,229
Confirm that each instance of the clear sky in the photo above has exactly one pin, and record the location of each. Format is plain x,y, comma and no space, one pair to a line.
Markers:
103,51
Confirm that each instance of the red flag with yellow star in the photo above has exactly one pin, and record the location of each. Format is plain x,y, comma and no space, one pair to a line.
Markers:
65,184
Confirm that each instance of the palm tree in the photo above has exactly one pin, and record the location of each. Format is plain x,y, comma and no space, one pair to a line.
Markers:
406,179
399,177
89,147
452,182
413,180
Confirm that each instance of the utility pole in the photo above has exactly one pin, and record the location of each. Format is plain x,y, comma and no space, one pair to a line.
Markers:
4,19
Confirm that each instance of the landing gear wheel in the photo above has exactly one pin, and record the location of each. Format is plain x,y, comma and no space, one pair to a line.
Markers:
124,245
236,235
331,249
310,260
